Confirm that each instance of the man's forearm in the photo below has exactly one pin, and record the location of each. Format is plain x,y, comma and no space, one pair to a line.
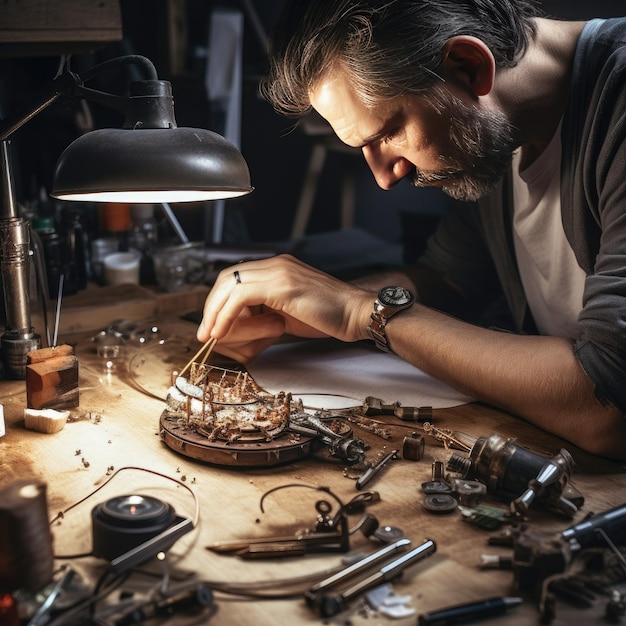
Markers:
538,378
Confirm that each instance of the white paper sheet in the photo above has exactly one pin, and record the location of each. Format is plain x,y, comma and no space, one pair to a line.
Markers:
331,374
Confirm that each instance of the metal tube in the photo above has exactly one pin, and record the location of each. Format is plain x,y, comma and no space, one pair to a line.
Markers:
357,567
19,338
174,223
14,261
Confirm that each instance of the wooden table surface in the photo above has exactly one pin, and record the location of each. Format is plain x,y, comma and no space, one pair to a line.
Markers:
117,425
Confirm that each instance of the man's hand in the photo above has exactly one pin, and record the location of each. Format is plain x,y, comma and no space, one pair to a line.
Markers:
277,296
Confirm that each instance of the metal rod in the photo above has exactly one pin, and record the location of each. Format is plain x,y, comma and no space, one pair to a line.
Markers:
19,338
174,223
7,185
359,566
8,127
58,312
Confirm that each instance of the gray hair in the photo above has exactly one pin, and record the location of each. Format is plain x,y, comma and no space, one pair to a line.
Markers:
388,47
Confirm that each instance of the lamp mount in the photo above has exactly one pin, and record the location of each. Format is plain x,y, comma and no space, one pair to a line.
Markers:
150,103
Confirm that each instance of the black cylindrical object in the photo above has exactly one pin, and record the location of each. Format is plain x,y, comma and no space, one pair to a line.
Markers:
589,532
26,556
125,522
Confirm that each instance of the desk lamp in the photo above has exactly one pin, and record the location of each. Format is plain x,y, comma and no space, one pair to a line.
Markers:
148,160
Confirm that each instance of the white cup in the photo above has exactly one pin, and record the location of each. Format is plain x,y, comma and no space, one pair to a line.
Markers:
121,268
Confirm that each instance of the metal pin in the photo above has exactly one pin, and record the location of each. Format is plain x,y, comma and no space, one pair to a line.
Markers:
494,561
58,312
371,472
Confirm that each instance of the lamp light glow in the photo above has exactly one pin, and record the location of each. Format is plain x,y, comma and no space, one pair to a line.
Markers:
147,197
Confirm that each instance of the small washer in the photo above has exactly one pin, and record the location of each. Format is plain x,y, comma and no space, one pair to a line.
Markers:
435,486
440,503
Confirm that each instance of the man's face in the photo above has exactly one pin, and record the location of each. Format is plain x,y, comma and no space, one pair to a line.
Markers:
463,150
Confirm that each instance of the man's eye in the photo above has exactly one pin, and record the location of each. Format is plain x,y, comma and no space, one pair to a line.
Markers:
394,135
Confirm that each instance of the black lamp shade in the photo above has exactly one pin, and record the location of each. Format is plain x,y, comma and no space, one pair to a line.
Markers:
150,165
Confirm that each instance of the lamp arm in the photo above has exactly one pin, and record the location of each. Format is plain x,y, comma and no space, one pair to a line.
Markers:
60,86
70,85
108,100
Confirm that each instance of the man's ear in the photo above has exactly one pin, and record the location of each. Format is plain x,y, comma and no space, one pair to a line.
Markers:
469,62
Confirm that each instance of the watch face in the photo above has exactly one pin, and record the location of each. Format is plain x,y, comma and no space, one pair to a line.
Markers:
395,296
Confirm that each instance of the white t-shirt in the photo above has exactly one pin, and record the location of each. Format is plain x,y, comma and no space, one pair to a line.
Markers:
553,281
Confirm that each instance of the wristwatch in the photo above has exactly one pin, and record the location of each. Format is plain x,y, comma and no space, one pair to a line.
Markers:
390,300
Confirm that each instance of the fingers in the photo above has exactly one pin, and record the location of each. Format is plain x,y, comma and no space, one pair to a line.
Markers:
220,293
244,352
254,327
236,289
250,335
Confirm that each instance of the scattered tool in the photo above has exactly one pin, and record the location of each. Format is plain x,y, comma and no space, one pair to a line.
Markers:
509,470
331,534
462,613
344,446
360,566
331,603
376,406
58,311
370,473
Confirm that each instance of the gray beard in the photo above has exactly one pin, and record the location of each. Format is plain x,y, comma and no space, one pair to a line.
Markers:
483,145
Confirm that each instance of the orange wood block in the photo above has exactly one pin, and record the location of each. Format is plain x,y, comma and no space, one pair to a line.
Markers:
52,378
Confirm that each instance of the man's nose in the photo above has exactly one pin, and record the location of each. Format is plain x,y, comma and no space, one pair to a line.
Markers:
387,169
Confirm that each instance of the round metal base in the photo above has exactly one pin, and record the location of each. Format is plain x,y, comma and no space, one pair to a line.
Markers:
285,448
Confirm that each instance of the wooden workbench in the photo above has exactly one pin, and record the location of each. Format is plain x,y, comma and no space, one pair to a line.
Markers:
117,425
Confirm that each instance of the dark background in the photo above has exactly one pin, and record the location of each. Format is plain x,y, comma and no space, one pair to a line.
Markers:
276,152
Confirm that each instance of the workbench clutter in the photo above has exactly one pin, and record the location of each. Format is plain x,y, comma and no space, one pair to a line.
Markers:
378,513
362,548
223,417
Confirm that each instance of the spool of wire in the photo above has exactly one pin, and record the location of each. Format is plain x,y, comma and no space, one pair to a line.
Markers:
26,556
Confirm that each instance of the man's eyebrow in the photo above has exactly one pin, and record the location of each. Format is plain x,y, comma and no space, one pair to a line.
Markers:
372,138
384,131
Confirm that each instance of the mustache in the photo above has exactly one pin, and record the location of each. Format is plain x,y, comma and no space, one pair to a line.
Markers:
424,178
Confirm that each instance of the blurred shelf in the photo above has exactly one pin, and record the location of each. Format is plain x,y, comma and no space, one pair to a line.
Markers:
49,27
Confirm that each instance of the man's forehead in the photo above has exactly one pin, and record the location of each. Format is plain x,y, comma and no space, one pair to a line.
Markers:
335,99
